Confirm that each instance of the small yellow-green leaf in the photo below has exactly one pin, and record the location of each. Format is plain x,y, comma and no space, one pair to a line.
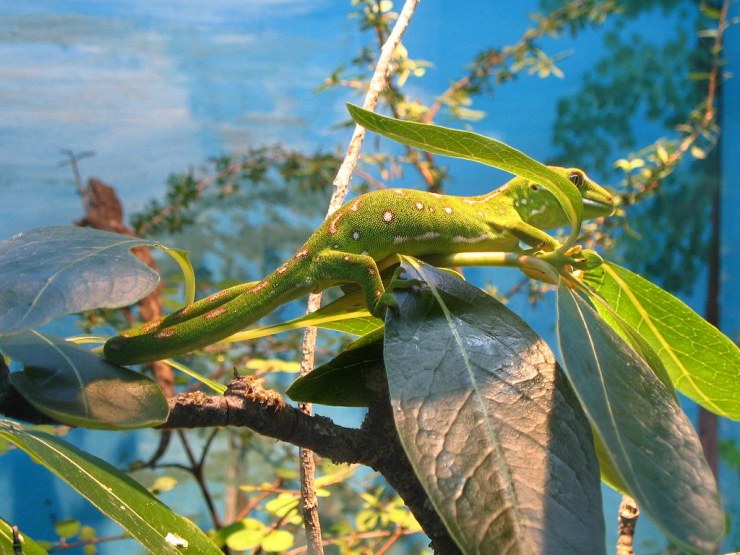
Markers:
278,541
367,519
262,365
244,539
67,528
698,153
285,505
164,483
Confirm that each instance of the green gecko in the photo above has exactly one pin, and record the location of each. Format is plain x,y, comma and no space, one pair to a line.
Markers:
347,247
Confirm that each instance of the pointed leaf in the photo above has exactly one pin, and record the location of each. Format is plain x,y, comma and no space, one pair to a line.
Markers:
648,438
490,425
53,271
341,381
347,314
478,148
79,388
702,362
116,495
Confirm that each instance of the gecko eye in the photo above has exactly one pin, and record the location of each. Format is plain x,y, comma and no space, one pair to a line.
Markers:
576,179
535,187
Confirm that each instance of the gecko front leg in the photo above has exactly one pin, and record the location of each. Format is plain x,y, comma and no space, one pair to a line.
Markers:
533,236
353,268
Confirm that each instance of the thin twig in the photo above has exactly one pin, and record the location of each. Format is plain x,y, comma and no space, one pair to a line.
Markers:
414,156
628,513
378,82
702,128
196,469
497,57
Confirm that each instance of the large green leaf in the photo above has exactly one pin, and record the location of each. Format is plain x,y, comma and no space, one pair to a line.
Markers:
701,361
79,388
491,427
649,440
53,271
341,381
478,148
117,495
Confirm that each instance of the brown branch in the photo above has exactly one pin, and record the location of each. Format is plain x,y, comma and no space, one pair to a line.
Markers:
247,404
375,444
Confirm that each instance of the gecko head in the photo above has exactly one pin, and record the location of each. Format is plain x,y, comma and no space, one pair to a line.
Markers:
597,201
539,207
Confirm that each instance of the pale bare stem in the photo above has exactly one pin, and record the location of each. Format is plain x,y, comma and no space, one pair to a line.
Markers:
378,82
628,513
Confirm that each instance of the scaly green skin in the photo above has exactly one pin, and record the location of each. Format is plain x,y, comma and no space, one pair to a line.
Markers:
347,246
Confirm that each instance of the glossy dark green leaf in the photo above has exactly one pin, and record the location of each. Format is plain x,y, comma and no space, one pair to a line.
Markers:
702,362
650,442
341,381
79,388
49,272
478,148
489,423
118,496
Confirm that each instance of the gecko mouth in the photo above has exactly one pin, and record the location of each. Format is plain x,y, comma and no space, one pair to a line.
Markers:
605,208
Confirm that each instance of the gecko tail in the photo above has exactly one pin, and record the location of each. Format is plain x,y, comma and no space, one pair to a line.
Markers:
202,323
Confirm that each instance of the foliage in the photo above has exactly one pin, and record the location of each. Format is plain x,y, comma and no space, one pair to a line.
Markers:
118,496
673,86
488,420
421,398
